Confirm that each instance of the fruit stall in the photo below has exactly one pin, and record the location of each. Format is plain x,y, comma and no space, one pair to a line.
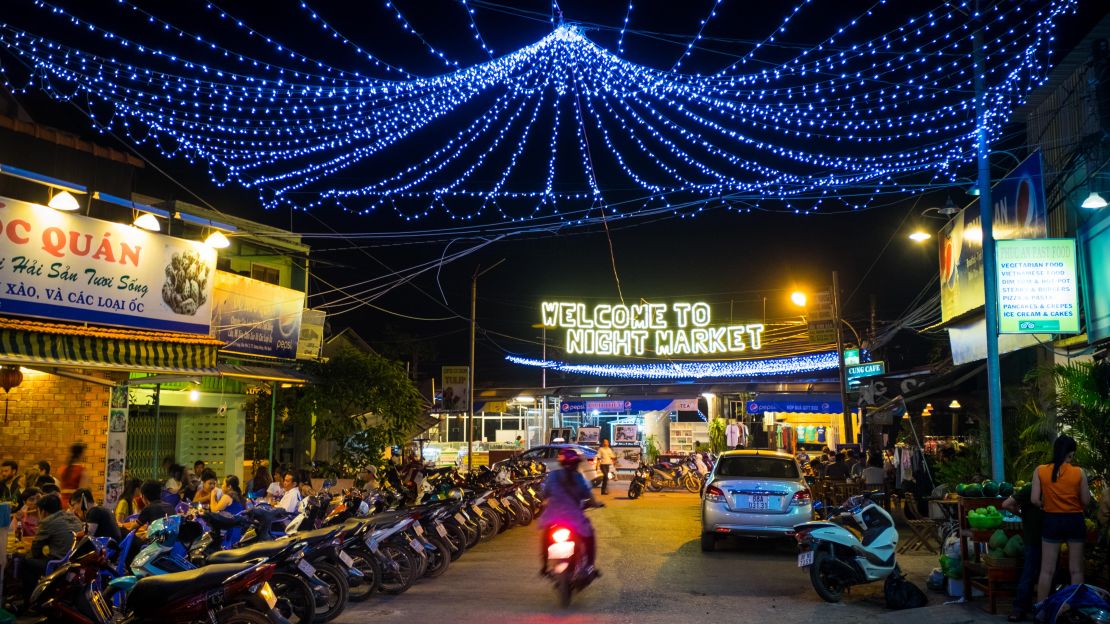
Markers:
990,542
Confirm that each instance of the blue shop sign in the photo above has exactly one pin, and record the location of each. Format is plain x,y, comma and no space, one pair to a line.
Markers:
800,403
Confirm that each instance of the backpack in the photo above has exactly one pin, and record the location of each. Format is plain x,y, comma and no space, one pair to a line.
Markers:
1075,603
902,594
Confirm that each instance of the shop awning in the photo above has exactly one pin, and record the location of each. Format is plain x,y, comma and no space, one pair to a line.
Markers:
262,373
38,344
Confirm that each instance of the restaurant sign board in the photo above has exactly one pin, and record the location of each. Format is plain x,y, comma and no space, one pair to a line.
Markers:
257,318
70,267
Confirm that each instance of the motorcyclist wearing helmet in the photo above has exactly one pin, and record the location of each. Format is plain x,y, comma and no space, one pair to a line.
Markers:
564,490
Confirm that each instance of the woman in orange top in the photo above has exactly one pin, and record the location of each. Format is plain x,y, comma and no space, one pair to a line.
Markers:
1060,489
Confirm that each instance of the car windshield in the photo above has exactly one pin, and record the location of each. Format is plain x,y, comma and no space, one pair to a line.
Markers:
757,467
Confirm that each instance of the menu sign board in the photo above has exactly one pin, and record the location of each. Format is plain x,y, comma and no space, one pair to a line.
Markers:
257,318
70,267
1037,287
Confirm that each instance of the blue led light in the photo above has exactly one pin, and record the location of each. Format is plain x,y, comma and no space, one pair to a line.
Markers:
769,367
841,122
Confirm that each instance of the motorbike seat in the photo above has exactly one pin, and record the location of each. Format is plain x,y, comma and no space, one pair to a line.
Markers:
246,553
152,594
223,521
316,535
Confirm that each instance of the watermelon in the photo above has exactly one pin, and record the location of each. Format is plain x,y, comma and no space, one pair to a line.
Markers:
1005,489
973,490
990,488
1015,547
1026,489
961,488
998,540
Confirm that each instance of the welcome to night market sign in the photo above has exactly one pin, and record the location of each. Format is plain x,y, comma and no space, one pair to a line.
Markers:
676,329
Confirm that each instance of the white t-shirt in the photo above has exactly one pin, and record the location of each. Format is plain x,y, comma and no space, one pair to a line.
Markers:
275,491
605,456
291,500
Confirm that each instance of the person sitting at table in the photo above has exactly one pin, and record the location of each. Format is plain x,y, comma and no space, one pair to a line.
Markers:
838,470
52,541
874,476
27,518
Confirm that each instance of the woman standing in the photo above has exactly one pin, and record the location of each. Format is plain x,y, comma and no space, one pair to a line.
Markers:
73,475
1060,490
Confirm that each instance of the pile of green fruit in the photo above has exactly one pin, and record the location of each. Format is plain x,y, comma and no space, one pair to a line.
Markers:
1009,546
984,518
986,489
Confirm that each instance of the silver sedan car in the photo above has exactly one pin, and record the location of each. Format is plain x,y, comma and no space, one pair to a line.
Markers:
756,494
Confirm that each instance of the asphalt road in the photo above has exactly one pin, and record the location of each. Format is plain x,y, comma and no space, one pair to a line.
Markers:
652,571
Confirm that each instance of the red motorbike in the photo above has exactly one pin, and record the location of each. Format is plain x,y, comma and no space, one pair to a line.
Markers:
235,593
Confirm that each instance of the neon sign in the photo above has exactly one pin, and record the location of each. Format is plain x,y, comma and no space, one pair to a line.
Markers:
678,329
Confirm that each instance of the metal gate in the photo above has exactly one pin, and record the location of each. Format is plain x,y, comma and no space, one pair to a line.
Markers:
148,443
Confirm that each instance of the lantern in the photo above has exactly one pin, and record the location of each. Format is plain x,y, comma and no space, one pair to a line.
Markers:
10,377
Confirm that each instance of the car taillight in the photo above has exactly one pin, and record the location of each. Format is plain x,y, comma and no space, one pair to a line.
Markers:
560,535
801,497
714,494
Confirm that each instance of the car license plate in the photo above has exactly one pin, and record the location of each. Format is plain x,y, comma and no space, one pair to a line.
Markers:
346,559
441,530
805,559
416,545
306,568
760,501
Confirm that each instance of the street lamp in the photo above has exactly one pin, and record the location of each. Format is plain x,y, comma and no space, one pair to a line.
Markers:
920,236
1094,201
798,298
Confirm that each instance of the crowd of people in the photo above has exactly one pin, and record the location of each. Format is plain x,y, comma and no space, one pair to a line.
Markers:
47,511
849,466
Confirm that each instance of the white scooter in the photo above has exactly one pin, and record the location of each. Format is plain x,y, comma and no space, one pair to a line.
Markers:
856,545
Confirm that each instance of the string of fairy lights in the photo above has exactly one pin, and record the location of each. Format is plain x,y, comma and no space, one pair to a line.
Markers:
544,133
866,108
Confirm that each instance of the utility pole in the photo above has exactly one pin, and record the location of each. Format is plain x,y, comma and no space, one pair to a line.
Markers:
990,278
848,433
470,373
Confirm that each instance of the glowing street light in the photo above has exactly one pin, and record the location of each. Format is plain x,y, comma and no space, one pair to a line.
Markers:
798,298
920,236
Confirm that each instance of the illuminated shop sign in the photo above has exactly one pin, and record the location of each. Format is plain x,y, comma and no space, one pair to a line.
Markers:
676,329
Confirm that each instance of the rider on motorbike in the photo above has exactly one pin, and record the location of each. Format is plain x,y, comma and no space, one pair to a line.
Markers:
563,492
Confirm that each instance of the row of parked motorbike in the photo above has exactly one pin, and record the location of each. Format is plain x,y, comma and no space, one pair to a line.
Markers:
684,473
262,566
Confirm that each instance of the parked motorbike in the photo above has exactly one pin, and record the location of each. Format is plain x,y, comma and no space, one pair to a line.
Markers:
836,558
222,594
638,483
664,475
566,561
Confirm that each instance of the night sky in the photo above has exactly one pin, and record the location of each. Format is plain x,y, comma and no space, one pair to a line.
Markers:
731,259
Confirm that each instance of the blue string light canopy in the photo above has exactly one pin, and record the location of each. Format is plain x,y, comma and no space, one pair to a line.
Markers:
551,127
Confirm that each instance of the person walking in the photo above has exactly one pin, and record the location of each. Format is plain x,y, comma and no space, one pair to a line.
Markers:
1060,489
73,475
605,458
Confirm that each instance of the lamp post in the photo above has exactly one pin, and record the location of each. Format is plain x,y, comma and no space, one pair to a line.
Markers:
799,299
470,374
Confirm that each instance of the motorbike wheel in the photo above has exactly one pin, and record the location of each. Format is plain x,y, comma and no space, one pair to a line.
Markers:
330,608
456,539
398,566
563,587
364,587
295,601
526,516
655,485
438,559
490,524
691,483
242,615
635,490
827,585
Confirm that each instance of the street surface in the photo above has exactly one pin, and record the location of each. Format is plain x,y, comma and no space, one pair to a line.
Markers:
653,571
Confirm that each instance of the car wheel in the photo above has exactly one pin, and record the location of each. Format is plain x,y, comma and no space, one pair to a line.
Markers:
708,542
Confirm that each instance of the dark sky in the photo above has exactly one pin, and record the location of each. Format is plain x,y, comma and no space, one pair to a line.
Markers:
719,255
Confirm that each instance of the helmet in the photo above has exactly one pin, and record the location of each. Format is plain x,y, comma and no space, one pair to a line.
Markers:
569,458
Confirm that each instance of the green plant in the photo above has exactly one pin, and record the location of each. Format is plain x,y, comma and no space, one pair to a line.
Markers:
1083,408
1033,444
362,403
651,449
717,436
962,468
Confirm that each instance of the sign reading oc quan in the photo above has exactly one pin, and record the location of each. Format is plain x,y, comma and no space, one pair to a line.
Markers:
75,268
676,329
